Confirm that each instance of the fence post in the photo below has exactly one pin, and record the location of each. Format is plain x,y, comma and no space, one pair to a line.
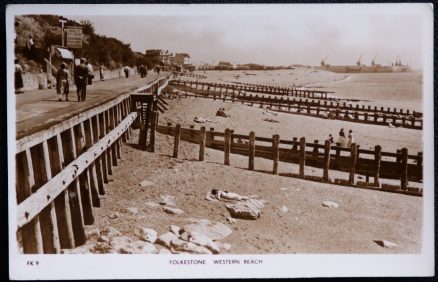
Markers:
227,146
404,169
154,121
326,160
251,154
202,135
353,157
377,159
276,152
177,137
302,156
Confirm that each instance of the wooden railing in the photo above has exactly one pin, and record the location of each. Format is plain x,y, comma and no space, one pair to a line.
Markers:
317,108
272,90
370,163
61,171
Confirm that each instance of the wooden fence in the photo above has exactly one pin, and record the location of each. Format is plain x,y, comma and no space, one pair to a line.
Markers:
370,163
61,171
315,108
235,88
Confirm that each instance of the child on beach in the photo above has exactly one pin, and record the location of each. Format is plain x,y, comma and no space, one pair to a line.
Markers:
341,139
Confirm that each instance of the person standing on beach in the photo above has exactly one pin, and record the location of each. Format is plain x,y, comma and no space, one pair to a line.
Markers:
341,139
101,72
18,73
81,80
126,70
62,82
331,139
350,138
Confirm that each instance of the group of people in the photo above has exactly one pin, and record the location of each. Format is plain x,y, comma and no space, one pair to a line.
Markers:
84,76
342,141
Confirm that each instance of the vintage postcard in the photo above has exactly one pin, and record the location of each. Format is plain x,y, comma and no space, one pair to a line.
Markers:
220,141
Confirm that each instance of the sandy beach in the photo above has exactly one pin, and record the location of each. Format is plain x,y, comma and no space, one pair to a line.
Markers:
294,219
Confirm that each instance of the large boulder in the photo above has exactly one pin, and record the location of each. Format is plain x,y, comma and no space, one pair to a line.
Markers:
213,230
246,209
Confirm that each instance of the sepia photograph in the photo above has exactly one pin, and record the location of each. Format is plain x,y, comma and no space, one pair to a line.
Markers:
220,141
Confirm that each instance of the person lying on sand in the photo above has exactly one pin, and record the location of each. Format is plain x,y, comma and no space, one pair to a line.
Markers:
201,120
271,120
267,112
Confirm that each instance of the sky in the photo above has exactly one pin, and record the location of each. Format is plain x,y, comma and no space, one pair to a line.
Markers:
273,34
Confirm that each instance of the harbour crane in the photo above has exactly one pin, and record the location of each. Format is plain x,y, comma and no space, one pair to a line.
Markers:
323,60
358,61
373,61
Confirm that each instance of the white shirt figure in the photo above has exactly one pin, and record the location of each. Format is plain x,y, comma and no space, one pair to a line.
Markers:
350,139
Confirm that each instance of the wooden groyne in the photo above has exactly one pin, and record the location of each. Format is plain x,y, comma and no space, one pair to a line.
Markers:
370,163
322,109
62,170
255,88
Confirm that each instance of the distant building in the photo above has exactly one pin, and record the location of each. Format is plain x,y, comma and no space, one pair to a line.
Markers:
182,59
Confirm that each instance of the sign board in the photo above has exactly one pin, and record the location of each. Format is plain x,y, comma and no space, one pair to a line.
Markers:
74,36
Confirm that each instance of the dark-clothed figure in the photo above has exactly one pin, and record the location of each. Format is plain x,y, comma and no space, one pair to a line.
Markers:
126,70
62,82
18,71
81,80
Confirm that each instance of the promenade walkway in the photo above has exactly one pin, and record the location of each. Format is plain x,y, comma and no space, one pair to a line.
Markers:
40,109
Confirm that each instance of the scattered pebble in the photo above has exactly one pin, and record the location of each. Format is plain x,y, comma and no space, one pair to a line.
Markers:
167,200
146,183
146,234
130,210
175,211
110,231
330,204
174,229
113,215
230,220
385,244
93,234
283,210
166,239
151,205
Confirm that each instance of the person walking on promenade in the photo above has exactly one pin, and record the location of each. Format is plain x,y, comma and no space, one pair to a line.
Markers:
90,72
350,138
341,139
18,72
126,70
81,78
101,73
62,82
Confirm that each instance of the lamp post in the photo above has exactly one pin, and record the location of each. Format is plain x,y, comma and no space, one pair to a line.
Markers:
62,26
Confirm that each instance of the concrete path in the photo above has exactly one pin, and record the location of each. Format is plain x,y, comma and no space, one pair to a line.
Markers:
39,109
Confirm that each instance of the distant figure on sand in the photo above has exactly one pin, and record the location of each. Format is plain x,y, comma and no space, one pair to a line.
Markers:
341,139
126,71
62,82
350,138
18,70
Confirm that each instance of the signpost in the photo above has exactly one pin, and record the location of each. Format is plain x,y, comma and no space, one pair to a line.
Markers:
74,36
